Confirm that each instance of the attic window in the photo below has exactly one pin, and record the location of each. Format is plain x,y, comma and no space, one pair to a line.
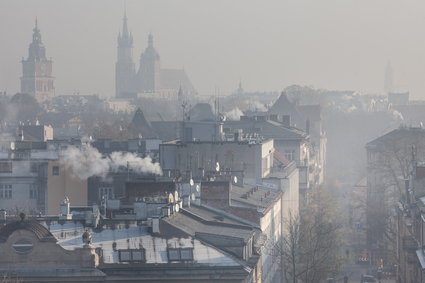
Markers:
180,254
132,255
22,246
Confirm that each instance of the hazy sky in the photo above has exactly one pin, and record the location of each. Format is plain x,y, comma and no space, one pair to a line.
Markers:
333,44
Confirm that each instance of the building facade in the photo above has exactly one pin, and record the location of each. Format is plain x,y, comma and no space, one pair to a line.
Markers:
253,160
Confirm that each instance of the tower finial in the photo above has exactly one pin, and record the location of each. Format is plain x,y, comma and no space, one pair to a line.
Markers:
36,23
150,40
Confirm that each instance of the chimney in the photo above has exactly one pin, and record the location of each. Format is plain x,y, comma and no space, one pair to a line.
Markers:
155,225
65,209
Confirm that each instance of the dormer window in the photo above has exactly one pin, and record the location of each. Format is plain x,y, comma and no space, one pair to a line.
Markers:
23,246
180,254
132,255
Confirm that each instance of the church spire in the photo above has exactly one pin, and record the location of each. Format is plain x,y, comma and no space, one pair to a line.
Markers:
150,40
124,27
125,39
36,50
36,36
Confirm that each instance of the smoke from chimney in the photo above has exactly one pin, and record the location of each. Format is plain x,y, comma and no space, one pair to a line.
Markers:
87,161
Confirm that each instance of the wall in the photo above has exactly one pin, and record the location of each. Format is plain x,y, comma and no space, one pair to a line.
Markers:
21,180
64,185
254,159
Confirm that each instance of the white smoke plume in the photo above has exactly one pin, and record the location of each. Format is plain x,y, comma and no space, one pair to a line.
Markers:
132,161
234,114
87,161
257,106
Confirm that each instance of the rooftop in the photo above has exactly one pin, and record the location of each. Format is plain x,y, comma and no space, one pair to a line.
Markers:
256,197
138,237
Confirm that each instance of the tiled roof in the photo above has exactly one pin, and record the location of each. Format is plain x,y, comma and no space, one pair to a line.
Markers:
255,196
42,233
176,78
404,133
268,129
191,225
201,112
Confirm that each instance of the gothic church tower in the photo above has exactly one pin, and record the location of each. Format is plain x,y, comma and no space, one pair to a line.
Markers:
37,77
124,67
148,76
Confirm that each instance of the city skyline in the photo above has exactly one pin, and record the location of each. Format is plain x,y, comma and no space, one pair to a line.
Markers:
266,46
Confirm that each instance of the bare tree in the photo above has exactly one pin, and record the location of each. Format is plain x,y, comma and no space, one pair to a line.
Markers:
390,163
309,250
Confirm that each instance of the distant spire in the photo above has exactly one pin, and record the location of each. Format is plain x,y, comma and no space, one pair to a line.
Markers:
36,36
125,39
240,89
150,40
388,78
125,28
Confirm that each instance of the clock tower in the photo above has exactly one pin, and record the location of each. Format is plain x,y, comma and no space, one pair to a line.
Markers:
37,77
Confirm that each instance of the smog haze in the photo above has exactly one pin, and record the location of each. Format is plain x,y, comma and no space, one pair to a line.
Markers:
267,45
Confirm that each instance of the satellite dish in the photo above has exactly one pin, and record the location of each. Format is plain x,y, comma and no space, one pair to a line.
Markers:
217,167
235,179
197,188
191,182
12,145
193,197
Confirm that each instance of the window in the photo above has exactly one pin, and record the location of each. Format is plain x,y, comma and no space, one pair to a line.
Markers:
107,192
55,170
34,167
23,246
33,191
186,254
21,155
180,254
6,167
132,255
5,191
290,155
173,255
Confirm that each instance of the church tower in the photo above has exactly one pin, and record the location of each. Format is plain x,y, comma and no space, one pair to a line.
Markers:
37,77
124,67
148,76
